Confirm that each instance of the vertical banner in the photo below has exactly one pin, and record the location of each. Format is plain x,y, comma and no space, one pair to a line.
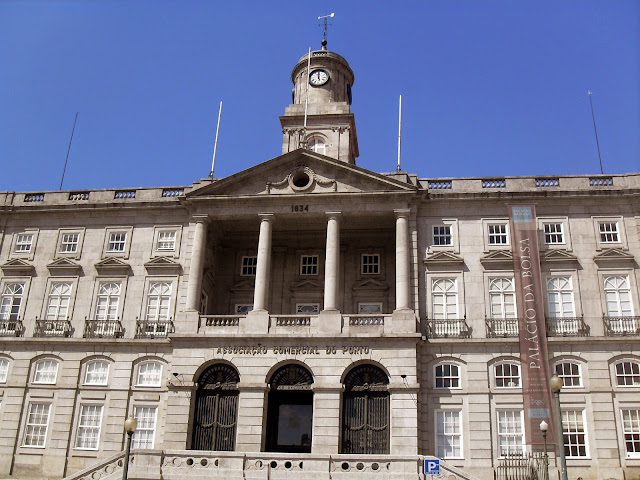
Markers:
531,323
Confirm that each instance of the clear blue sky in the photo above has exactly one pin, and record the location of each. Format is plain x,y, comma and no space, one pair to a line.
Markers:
489,87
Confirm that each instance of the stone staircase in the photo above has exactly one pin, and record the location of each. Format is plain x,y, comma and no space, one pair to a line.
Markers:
194,465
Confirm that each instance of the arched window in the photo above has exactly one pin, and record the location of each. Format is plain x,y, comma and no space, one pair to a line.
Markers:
507,375
365,412
316,144
290,410
216,412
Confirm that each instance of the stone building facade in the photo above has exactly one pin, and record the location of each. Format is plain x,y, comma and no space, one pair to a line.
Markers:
307,316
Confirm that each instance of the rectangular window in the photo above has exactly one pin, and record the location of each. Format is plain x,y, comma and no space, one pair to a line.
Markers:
117,242
510,432
89,427
447,375
309,265
370,307
167,240
553,233
370,264
631,432
507,375
573,431
560,297
35,431
448,434
149,374
308,308
23,242
11,301
46,372
498,234
4,370
569,372
58,301
97,373
146,429
609,232
442,235
69,243
249,266
628,374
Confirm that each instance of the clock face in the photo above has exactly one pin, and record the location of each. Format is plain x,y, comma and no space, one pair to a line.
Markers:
318,77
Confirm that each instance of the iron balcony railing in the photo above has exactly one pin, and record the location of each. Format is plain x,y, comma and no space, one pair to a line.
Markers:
154,328
53,328
103,329
566,327
501,327
11,328
447,328
619,326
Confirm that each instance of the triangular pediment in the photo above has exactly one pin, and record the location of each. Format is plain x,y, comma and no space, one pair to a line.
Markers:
162,263
17,266
613,255
306,284
444,258
112,264
244,285
497,258
558,256
371,284
63,264
301,172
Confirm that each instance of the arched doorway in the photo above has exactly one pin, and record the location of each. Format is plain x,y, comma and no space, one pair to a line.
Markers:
365,411
216,412
290,410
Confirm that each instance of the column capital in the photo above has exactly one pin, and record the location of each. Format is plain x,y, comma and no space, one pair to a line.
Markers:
402,212
335,215
268,216
201,218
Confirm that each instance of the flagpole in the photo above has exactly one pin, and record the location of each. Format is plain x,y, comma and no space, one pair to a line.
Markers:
215,145
306,102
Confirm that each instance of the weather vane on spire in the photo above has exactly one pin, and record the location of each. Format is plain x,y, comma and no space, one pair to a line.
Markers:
324,30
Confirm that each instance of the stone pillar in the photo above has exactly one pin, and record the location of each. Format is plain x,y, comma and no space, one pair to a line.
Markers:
251,410
326,420
196,265
263,267
332,262
402,260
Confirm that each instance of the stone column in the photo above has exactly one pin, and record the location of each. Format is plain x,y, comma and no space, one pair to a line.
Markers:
403,282
263,268
332,262
196,265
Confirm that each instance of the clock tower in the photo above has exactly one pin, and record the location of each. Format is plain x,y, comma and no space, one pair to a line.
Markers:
325,89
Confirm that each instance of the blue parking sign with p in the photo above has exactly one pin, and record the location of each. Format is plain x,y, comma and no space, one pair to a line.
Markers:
432,466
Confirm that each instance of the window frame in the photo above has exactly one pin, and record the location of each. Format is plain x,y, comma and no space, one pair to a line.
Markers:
99,283
438,435
77,253
30,426
28,254
80,428
566,233
135,442
139,374
124,253
6,282
604,244
249,268
303,308
453,378
314,140
567,434
313,266
452,224
87,373
560,293
445,294
158,231
571,375
37,371
504,377
632,374
377,264
627,277
635,431
70,296
5,364
492,222
369,308
500,434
